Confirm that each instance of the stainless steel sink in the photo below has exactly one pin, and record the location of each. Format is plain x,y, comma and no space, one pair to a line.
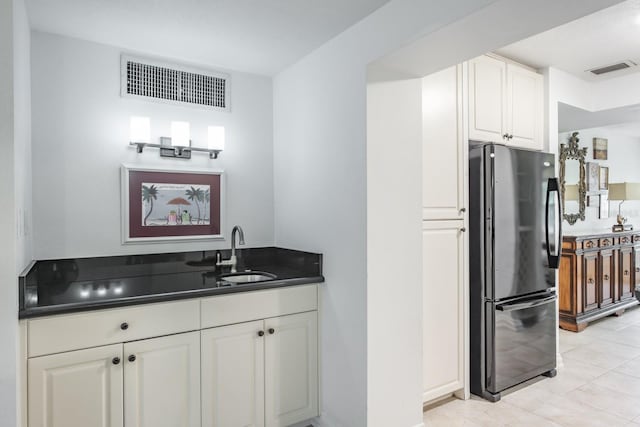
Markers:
247,277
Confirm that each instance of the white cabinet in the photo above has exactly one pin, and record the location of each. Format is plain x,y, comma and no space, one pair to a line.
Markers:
162,381
262,373
233,375
505,103
291,369
444,312
444,145
76,389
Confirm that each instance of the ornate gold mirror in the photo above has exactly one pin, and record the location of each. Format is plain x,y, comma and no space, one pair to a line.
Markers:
573,185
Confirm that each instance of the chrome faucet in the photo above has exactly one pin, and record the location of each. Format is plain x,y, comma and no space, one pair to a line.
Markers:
233,260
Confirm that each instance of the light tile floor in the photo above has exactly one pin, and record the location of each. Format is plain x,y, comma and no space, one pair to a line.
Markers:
599,385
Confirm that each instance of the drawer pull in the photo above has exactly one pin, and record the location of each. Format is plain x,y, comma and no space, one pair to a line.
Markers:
132,358
115,360
589,244
606,277
606,242
124,326
272,331
625,240
260,333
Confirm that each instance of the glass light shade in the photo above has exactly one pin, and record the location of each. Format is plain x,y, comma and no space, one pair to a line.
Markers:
216,138
140,129
180,134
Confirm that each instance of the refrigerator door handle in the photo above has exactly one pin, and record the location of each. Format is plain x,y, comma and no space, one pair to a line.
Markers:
528,304
554,259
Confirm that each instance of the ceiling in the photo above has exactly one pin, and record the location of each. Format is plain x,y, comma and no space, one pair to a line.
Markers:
257,36
606,37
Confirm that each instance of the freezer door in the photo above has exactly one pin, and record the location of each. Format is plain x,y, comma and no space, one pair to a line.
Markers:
517,232
521,340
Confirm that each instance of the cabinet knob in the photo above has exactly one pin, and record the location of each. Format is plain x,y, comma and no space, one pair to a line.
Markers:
590,281
272,331
626,272
505,136
463,210
637,269
115,360
132,358
260,333
463,229
511,136
606,277
124,326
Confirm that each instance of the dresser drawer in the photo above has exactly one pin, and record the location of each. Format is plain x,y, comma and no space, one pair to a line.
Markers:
244,307
76,331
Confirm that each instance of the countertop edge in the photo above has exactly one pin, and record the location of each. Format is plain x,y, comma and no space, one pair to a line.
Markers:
31,313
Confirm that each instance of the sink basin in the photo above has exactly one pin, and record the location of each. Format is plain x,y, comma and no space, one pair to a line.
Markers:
247,277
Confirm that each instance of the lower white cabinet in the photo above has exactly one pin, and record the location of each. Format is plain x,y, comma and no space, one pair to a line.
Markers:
157,383
262,373
444,316
77,388
162,381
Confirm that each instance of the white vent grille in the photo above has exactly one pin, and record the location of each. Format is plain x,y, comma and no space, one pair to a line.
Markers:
176,84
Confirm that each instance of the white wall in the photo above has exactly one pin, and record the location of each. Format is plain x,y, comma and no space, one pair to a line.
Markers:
622,148
80,139
394,113
14,191
321,145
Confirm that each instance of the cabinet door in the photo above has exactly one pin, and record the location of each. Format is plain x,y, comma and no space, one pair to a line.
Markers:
589,281
487,99
524,107
233,375
291,369
77,388
625,273
607,278
636,266
162,381
444,147
443,307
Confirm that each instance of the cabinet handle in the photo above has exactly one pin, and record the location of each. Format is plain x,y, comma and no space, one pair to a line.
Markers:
626,272
589,244
115,360
638,270
124,326
625,240
606,242
272,331
463,229
260,333
132,358
590,281
606,277
505,136
463,210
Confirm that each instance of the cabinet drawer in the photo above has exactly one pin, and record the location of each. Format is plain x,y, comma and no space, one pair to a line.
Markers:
590,244
245,307
76,331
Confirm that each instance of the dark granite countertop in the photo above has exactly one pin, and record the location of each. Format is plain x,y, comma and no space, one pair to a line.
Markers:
70,285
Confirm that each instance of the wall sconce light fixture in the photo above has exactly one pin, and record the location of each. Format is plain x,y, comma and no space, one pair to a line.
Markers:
179,144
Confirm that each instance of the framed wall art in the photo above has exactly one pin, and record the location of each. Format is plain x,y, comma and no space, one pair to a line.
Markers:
593,176
600,148
604,206
604,178
160,205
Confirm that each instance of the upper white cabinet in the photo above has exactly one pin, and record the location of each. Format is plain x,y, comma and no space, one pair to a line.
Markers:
77,388
505,103
444,145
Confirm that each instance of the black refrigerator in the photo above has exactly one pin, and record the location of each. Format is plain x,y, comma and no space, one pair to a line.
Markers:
514,246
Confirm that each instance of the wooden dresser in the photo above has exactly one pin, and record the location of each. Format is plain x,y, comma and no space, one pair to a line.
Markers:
598,275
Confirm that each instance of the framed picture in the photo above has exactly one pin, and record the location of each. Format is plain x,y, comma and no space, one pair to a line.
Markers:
604,206
604,178
160,205
593,176
600,148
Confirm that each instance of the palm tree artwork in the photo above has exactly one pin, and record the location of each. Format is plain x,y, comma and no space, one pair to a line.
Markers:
196,195
149,194
207,202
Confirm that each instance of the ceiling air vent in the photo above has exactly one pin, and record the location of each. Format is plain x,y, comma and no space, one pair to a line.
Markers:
164,82
613,67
